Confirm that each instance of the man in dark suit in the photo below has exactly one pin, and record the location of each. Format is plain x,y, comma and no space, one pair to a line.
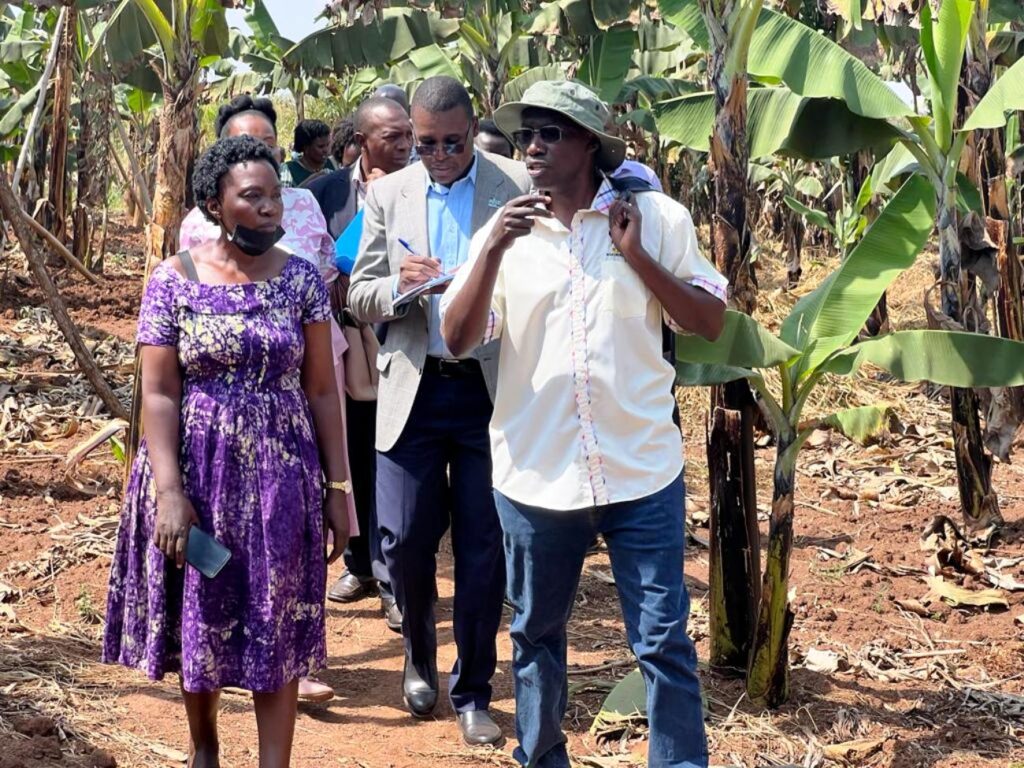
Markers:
384,135
433,408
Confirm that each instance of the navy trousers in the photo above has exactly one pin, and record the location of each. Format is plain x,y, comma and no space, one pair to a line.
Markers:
363,557
438,475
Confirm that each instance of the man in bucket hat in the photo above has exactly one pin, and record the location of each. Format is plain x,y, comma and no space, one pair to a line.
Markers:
574,278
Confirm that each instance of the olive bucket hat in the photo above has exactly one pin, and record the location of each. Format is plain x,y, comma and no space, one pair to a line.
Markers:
573,101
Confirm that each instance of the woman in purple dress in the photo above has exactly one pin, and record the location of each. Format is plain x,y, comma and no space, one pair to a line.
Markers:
242,437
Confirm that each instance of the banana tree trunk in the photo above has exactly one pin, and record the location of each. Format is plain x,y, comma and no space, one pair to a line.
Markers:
973,464
768,671
178,134
93,163
794,240
56,219
734,542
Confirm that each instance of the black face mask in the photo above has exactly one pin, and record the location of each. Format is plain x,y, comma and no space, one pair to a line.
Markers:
254,242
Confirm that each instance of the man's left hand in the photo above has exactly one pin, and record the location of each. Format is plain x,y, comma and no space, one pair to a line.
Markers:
624,226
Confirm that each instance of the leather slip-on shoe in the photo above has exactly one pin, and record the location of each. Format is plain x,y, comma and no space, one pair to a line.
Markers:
479,729
392,615
349,588
419,695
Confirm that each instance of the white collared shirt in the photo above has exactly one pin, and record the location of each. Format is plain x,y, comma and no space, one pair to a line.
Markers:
583,411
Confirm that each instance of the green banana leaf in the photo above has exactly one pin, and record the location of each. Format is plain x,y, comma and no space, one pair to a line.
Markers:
777,121
626,702
831,316
784,50
686,15
700,375
656,89
608,13
16,115
743,343
1007,95
860,424
812,65
948,358
516,87
818,218
943,45
431,61
608,61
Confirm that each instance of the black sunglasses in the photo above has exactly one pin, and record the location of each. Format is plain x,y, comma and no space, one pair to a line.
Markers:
549,134
448,147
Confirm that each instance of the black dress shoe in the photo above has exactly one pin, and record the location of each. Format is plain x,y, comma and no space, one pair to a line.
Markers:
479,729
349,588
392,615
419,695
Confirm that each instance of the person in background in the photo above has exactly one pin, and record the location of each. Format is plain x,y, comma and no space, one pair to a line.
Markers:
311,151
243,443
574,279
490,139
305,235
384,137
383,134
638,170
433,460
393,92
344,147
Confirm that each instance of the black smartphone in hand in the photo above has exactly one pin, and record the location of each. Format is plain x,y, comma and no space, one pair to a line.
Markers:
205,553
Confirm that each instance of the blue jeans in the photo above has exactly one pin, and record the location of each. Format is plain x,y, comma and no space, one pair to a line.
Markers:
544,552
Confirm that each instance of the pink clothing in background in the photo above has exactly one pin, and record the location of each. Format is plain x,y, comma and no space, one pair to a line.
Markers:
306,236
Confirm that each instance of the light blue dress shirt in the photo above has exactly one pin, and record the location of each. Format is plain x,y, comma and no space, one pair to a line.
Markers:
450,227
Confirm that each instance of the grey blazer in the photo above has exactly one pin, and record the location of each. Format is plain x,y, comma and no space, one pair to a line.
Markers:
396,207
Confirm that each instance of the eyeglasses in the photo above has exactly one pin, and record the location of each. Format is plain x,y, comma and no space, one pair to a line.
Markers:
448,147
549,134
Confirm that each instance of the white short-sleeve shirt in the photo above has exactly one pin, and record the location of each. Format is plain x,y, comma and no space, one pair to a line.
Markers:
583,410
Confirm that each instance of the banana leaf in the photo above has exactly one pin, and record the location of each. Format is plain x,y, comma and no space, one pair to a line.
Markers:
784,50
608,61
831,316
1006,95
777,121
743,344
626,703
947,358
860,424
943,45
516,87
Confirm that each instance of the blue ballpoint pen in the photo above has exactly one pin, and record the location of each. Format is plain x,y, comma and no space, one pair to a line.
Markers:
406,246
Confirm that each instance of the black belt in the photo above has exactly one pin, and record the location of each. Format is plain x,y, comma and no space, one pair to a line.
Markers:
452,368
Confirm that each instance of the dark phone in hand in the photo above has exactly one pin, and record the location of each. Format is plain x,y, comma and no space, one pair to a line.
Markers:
205,553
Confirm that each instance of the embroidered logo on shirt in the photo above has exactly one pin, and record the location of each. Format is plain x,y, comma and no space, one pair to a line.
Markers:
494,203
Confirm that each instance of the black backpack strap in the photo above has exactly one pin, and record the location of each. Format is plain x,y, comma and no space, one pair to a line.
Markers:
189,266
632,184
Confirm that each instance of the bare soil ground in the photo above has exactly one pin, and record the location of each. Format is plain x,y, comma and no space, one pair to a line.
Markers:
883,674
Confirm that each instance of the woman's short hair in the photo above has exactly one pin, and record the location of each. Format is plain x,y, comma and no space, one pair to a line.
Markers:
241,105
343,135
308,131
214,164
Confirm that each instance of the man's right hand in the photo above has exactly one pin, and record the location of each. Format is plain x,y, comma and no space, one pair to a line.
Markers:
516,220
416,270
174,516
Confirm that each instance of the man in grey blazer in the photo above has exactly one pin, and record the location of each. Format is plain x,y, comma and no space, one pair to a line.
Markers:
433,409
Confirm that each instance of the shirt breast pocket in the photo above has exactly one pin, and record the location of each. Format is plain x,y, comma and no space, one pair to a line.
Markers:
623,292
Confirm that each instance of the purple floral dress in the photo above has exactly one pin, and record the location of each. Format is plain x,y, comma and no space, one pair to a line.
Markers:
251,468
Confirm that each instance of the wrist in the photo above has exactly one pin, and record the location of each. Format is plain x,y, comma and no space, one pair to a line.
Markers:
342,486
175,490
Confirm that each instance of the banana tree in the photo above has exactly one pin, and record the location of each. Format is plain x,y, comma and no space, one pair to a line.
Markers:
171,36
816,341
814,76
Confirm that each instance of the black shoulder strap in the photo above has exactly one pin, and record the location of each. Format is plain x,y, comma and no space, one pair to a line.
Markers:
189,266
632,184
